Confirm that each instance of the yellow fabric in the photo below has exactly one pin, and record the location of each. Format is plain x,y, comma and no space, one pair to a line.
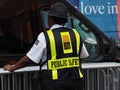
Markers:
77,40
63,63
53,53
78,48
66,42
80,73
54,63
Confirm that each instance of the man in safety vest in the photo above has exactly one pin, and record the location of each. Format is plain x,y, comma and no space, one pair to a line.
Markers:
58,51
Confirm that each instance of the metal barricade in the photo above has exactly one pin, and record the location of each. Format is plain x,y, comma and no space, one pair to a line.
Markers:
21,79
97,76
102,76
18,81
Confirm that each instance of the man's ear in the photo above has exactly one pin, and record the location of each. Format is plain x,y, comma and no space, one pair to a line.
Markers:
50,21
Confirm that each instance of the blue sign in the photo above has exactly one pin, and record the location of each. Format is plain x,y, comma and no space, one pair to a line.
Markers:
103,13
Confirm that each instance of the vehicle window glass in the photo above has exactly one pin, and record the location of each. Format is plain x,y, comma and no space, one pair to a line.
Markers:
90,39
45,19
69,23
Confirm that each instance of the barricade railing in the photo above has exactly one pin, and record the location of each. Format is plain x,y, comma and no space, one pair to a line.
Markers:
101,76
97,76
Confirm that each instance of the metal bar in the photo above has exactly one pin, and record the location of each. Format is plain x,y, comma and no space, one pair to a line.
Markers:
118,78
84,66
97,76
2,85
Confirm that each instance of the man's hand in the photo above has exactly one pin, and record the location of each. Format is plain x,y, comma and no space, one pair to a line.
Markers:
20,64
8,67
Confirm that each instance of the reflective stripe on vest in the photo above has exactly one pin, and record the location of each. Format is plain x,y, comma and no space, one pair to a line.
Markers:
62,63
78,48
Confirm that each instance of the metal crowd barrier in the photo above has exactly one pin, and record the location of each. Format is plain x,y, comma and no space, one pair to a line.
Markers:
102,76
97,76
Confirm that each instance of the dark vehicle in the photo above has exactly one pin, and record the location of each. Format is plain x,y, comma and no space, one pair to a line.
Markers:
22,20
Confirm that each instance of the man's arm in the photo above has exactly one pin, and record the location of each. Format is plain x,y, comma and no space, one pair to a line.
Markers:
20,64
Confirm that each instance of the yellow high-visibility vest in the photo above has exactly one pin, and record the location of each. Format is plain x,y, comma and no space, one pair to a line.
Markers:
54,64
